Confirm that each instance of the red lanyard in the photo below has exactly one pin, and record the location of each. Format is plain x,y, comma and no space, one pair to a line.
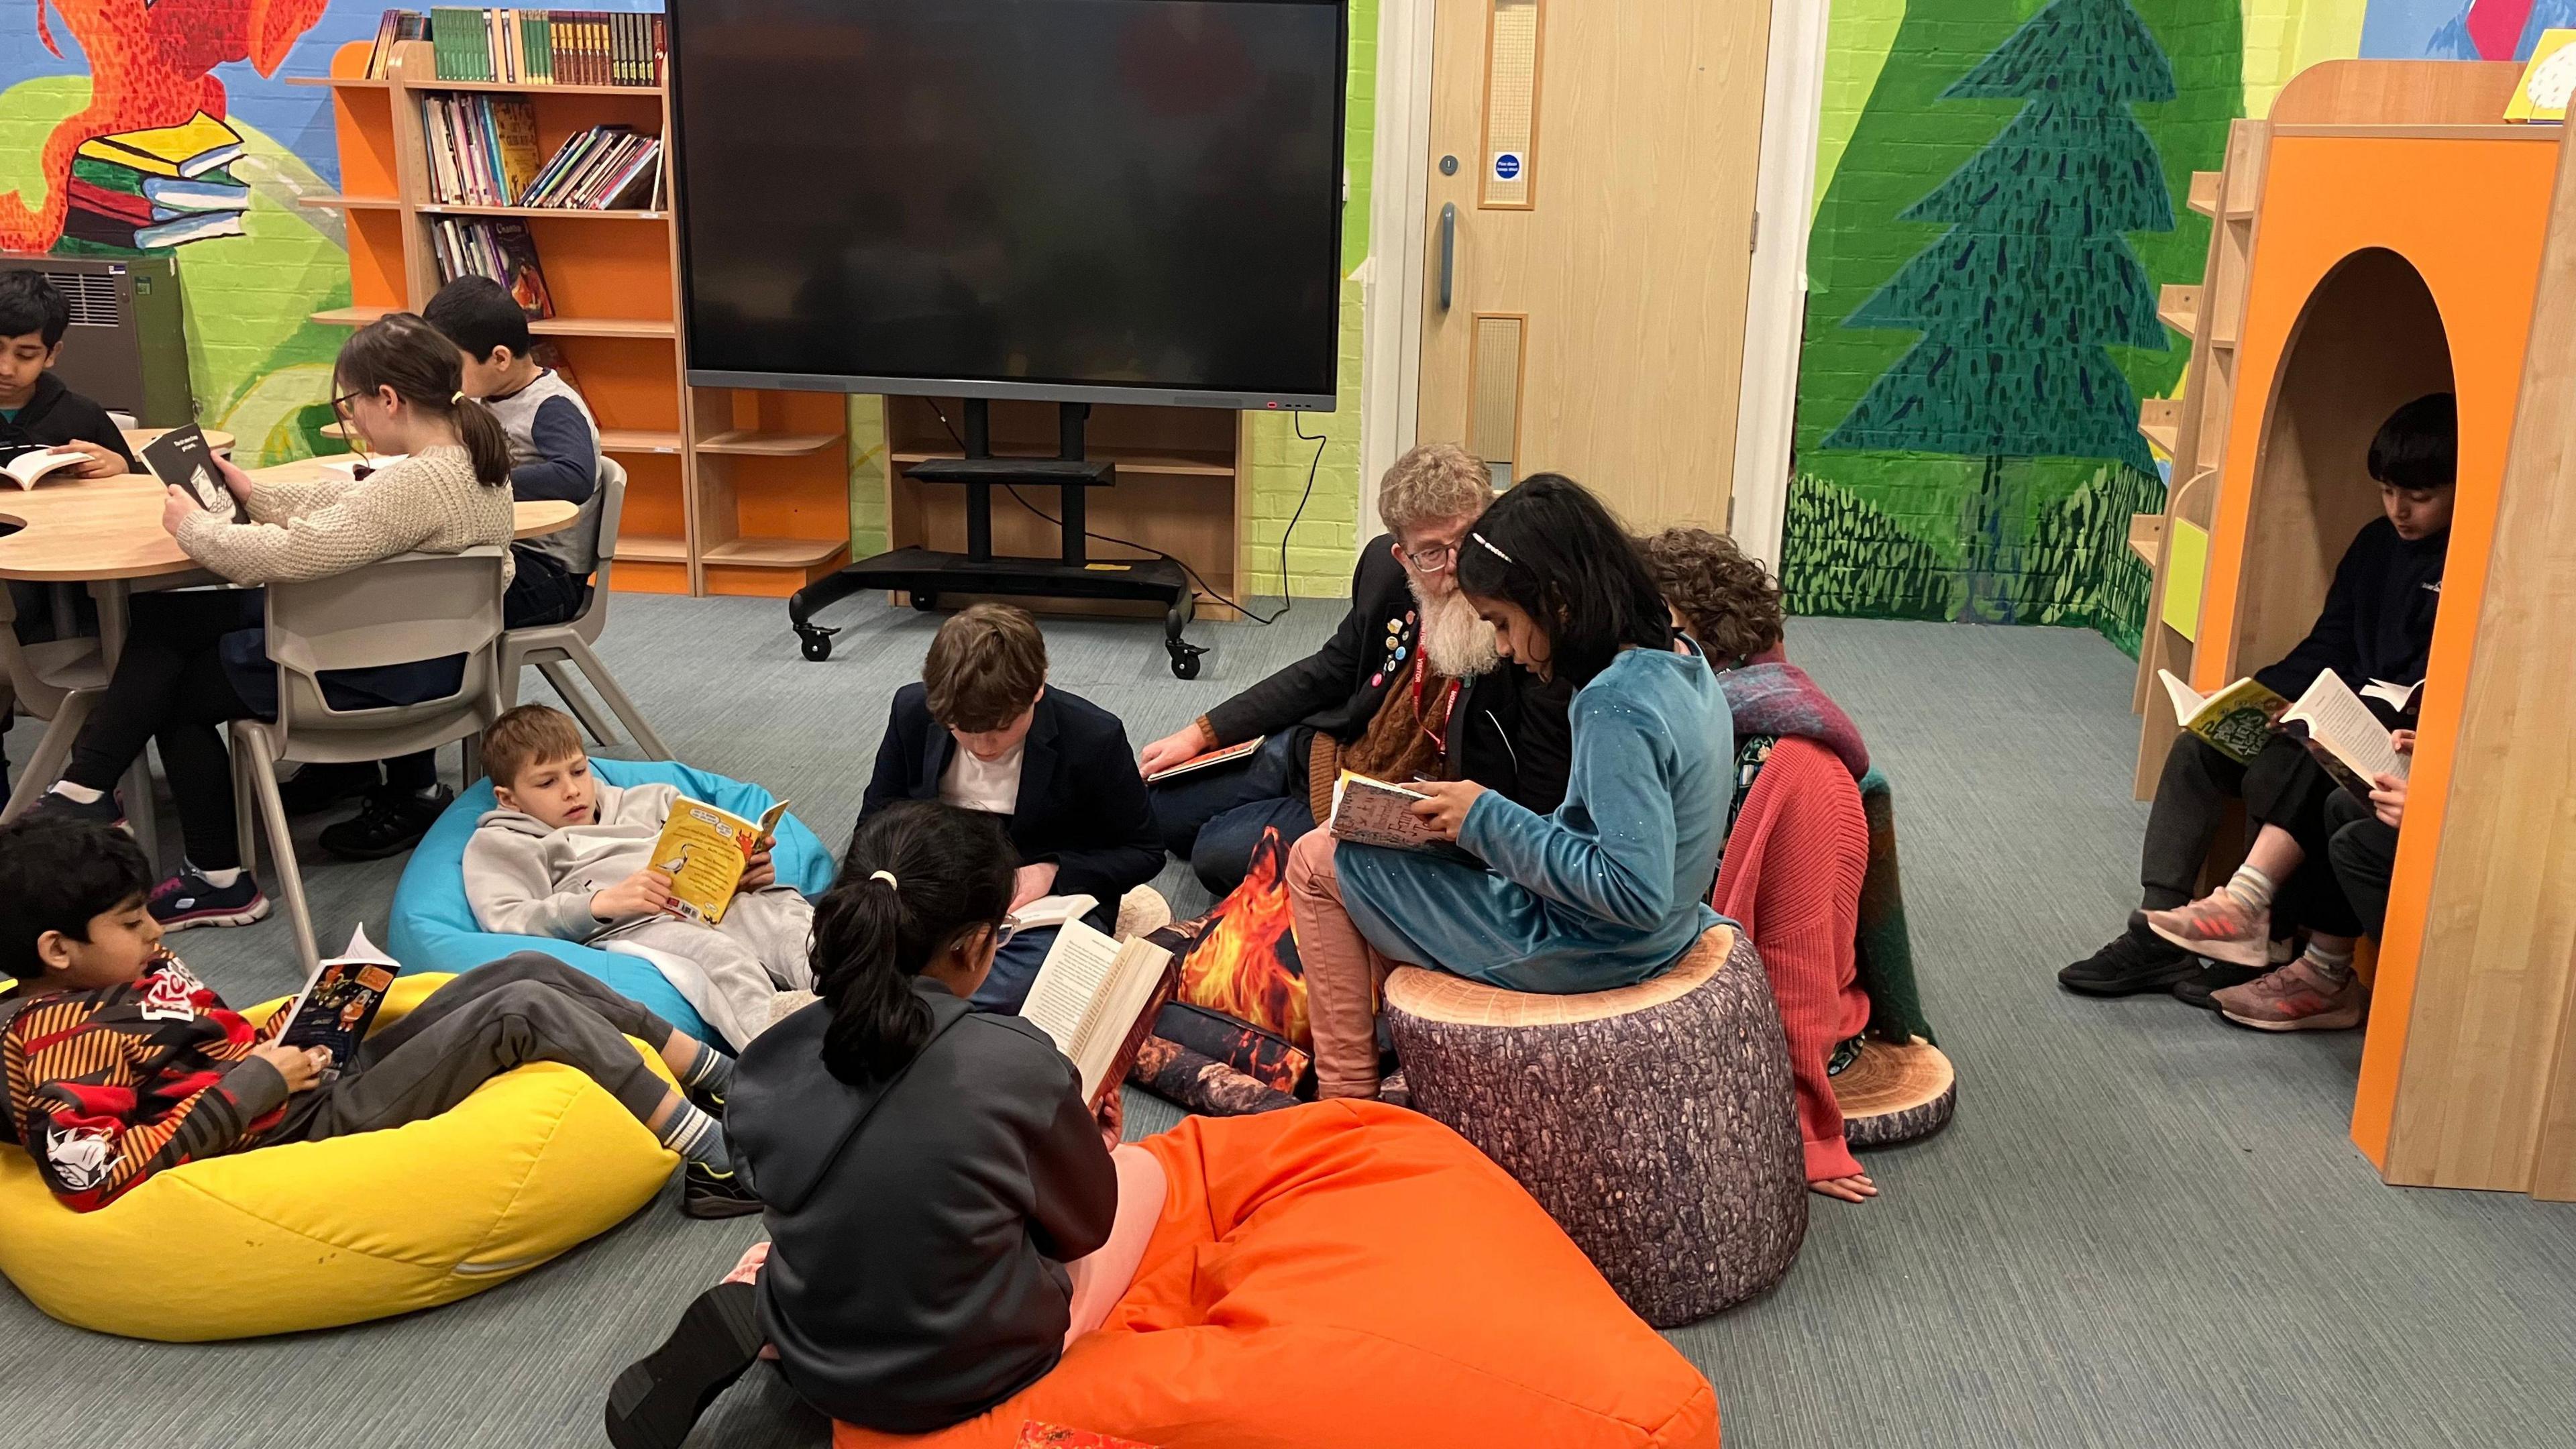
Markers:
1448,705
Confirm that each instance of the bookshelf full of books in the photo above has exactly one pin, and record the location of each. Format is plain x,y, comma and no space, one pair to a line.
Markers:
528,146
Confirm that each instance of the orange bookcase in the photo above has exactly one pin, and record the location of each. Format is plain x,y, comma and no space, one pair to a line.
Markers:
728,491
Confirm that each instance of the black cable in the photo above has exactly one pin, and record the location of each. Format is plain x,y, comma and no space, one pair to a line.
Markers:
1287,600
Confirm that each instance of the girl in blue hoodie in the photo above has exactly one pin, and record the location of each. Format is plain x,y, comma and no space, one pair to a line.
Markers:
946,1215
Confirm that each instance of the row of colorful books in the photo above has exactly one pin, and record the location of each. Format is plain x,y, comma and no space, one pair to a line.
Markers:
483,152
141,190
540,47
501,249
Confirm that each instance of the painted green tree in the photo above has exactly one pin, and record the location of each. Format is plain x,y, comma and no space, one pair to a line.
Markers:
2019,300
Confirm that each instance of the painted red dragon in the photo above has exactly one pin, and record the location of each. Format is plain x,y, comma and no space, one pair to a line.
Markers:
151,64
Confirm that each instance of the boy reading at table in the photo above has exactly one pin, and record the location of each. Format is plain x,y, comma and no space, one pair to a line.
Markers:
122,1064
554,454
569,855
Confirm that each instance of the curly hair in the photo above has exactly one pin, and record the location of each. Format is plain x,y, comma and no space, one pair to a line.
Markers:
1433,483
1730,603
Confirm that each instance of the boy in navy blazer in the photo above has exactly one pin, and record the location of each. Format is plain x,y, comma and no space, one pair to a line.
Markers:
982,731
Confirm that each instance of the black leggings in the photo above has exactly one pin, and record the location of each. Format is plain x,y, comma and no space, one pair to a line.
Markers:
170,689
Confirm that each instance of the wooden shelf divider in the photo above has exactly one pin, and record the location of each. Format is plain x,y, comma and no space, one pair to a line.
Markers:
755,444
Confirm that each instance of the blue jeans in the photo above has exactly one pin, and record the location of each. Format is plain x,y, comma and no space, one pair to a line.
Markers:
1015,970
1214,818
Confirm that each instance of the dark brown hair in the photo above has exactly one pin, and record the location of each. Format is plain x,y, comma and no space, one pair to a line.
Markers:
985,668
522,738
1730,604
423,367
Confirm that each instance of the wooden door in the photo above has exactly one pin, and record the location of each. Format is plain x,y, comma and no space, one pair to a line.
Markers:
1596,239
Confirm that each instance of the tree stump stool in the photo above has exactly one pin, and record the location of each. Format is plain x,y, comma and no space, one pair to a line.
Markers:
1891,1094
1656,1123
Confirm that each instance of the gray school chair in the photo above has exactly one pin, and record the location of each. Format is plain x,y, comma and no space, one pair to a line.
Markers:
56,682
416,606
558,649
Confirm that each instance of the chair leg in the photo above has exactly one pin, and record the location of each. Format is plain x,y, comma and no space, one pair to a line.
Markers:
281,853
507,685
606,683
53,752
245,802
579,703
472,745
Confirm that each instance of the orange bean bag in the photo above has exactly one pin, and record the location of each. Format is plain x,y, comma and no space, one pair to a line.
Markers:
1348,1275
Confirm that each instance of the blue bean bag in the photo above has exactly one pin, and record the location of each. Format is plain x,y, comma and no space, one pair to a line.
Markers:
433,929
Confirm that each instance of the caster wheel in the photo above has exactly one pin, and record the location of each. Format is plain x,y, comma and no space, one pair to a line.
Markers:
817,647
1185,661
924,603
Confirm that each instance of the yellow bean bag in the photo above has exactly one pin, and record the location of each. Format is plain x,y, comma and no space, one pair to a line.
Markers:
317,1234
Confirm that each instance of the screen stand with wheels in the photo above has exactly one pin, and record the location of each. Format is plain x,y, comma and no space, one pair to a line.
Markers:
927,573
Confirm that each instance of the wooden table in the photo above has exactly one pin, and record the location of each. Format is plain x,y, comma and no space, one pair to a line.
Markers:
106,533
137,439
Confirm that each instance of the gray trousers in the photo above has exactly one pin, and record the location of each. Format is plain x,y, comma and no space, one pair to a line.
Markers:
758,950
492,1019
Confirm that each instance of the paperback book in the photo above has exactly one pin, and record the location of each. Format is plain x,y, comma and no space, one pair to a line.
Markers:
705,849
340,1000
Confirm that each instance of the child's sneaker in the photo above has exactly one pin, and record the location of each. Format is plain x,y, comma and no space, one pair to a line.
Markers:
391,822
707,1193
189,899
657,1400
2219,927
2133,962
2294,998
107,809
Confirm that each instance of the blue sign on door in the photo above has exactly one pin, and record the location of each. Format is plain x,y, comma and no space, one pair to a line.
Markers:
1507,165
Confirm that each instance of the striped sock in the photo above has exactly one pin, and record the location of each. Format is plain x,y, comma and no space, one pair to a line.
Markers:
698,1137
2251,887
710,1071
2332,967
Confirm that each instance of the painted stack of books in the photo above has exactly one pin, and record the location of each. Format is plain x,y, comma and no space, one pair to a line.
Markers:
142,190
497,248
535,47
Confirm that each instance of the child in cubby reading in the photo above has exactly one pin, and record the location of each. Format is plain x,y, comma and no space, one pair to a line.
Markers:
569,855
554,454
194,660
122,1064
2377,625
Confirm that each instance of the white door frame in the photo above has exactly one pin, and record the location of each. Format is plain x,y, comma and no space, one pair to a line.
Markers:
1784,204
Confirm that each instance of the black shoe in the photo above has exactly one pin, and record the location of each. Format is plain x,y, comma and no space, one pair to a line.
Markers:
2136,960
658,1399
2194,990
107,809
706,1193
392,822
188,900
316,788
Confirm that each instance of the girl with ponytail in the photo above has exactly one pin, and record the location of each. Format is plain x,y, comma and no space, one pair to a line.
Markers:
946,1214
195,660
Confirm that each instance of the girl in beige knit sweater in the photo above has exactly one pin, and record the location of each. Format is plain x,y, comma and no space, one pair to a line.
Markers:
194,660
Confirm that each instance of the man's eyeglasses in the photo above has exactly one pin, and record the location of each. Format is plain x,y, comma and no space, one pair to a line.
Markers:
1431,558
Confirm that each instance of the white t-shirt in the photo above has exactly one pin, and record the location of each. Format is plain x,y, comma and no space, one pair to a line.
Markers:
993,787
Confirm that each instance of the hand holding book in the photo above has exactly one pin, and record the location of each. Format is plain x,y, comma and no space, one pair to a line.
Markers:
1445,804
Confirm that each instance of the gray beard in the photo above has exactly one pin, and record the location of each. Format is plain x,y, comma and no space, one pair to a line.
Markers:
1457,642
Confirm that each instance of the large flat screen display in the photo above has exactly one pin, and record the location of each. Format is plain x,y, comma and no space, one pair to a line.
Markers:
1078,200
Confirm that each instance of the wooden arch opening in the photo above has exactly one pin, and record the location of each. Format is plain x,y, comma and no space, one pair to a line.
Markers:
2369,340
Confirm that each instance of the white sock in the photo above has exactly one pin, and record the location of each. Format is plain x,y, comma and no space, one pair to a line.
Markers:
77,794
221,880
2332,967
2252,889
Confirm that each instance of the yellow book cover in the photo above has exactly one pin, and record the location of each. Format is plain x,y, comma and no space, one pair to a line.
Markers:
2237,720
514,124
705,849
2547,80
204,144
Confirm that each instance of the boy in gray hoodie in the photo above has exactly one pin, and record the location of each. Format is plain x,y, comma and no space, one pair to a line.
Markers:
569,855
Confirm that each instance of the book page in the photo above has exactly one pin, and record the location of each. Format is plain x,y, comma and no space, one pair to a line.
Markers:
2186,700
1047,911
2336,718
1069,986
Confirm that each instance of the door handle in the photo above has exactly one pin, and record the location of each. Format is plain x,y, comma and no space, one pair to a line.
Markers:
1448,249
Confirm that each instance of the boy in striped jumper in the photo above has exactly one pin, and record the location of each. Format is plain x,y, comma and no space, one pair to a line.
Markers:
120,1063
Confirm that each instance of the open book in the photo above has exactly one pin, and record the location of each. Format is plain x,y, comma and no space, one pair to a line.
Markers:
24,465
1048,911
1369,811
2236,720
705,849
2346,738
336,1005
184,460
1207,759
1097,998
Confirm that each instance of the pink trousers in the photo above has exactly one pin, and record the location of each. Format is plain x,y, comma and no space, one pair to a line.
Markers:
1344,973
1100,1278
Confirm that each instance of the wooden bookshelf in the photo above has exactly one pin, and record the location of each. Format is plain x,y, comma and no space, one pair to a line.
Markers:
728,491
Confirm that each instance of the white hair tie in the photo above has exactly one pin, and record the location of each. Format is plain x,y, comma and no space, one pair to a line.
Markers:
888,877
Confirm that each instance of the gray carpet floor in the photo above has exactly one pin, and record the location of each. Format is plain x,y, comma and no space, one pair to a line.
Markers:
2144,1228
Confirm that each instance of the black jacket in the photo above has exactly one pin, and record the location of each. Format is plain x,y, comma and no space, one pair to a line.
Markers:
2377,622
1510,726
1082,804
55,415
919,1227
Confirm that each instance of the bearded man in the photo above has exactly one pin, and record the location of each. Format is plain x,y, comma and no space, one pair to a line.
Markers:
1409,687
